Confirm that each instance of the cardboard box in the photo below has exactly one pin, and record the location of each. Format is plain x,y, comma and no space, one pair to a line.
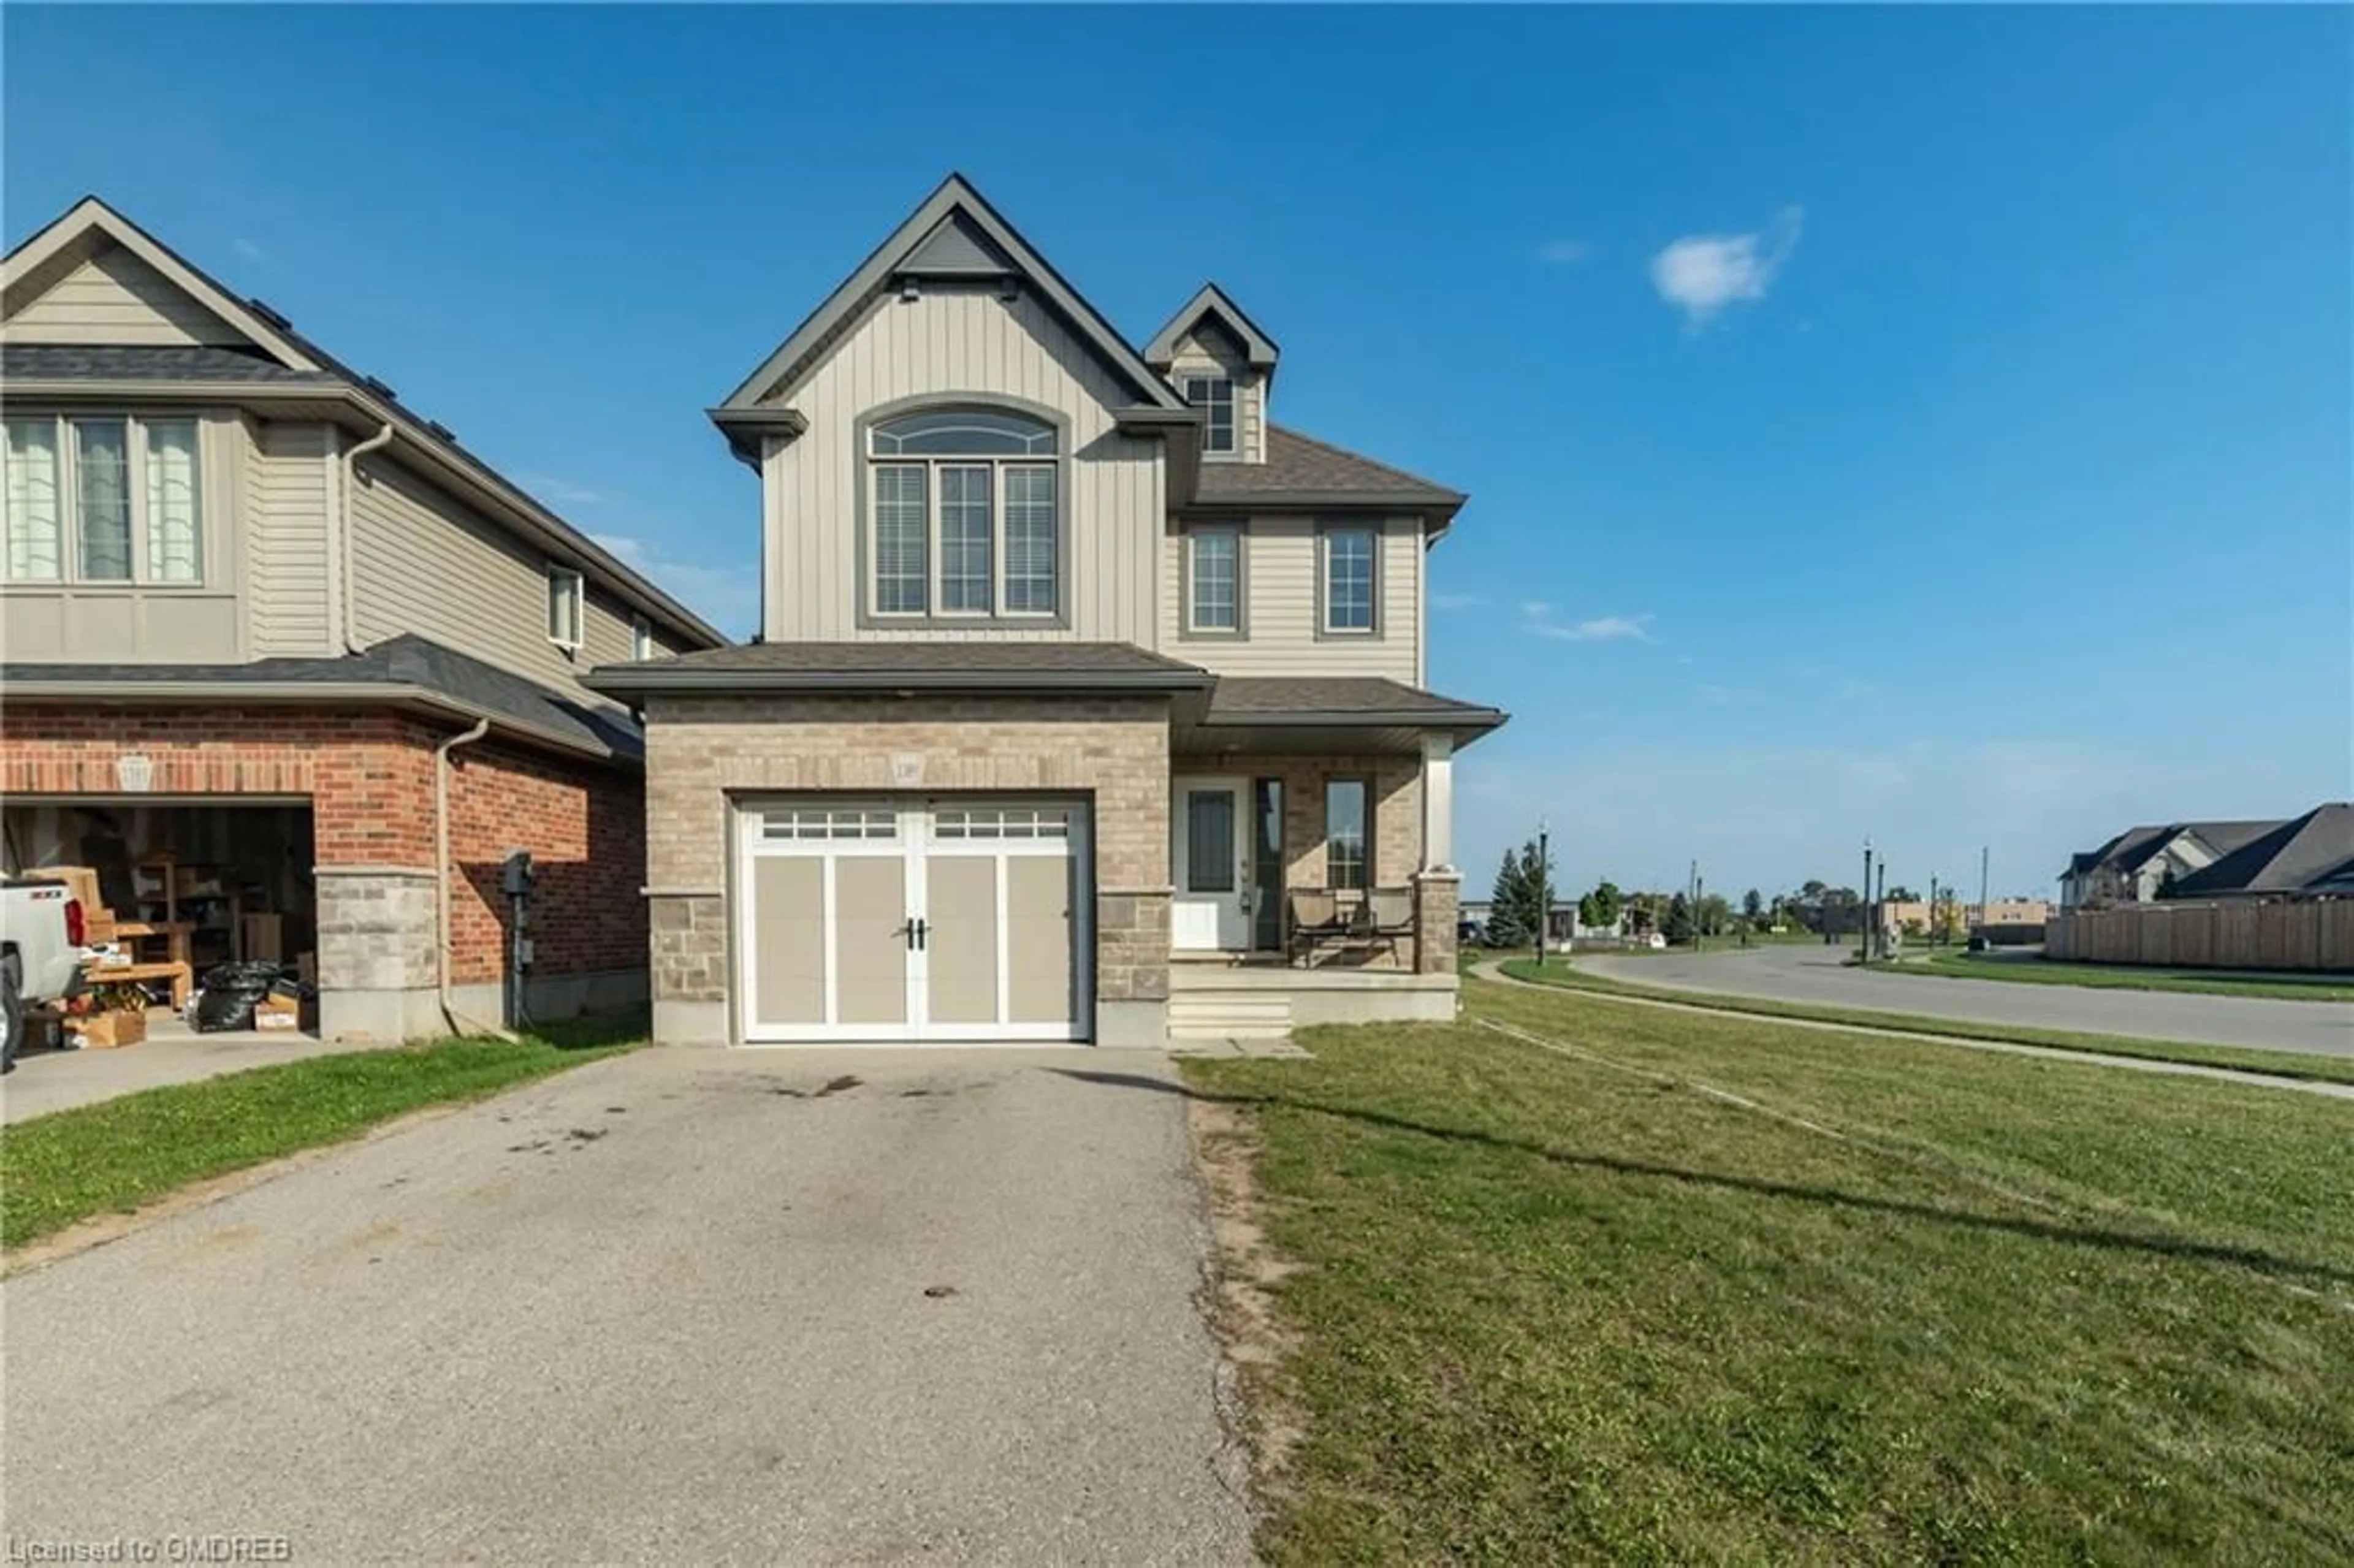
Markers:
280,1010
107,1031
263,938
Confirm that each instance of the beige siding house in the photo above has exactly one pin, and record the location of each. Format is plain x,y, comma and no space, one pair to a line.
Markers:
1089,703
269,635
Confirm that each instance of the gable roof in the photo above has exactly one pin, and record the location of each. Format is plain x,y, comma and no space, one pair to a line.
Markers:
1302,473
279,361
955,233
2133,849
1259,350
2311,853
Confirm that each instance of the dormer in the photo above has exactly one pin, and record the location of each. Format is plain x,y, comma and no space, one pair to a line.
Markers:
1222,364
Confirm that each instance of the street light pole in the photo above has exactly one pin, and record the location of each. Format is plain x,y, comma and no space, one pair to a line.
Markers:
1863,904
1544,884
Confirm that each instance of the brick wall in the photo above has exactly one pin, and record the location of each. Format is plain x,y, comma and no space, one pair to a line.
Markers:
700,750
369,780
586,829
369,775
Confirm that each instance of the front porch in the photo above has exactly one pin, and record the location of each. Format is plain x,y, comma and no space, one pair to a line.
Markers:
1310,872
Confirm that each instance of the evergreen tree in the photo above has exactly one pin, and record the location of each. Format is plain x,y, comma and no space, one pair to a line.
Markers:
1679,928
1753,906
1508,924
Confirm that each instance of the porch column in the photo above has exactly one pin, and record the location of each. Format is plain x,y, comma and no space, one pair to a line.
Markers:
1438,802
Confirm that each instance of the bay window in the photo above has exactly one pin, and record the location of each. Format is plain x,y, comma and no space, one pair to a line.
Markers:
103,499
962,516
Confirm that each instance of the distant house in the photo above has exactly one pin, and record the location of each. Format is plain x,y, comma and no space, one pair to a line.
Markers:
2305,856
2147,862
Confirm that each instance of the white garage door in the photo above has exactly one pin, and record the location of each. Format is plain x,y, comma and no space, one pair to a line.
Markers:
942,918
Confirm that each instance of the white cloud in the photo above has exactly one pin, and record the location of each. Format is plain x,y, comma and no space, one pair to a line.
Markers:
1563,252
1701,274
248,250
728,597
1537,609
560,492
1601,629
1456,601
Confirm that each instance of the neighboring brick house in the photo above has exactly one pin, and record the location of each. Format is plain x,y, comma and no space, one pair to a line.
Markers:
252,607
1088,704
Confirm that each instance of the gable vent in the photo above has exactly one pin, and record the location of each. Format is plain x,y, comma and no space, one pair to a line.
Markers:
956,248
380,389
270,315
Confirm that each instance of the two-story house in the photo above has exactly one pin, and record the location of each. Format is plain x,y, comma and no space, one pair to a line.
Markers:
292,671
1090,703
2144,864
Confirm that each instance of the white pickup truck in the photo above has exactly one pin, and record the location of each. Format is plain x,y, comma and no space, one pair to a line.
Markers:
40,952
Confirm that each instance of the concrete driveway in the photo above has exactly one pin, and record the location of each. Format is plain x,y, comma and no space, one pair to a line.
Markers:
1807,973
45,1081
676,1307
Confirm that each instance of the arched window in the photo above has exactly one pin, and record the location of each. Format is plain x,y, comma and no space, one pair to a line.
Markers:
964,521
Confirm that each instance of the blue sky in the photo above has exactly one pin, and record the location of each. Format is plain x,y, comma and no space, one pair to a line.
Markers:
1921,422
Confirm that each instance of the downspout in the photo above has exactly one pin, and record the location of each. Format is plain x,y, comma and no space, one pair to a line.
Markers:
441,878
375,442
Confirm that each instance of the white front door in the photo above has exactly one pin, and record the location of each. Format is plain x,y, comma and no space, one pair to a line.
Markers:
942,919
1210,858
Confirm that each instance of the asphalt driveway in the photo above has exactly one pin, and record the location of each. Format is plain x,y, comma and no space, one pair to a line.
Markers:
1807,973
677,1306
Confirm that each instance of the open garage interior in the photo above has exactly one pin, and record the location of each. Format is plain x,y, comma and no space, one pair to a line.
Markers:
175,887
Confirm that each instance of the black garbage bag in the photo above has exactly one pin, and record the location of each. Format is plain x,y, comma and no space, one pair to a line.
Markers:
230,992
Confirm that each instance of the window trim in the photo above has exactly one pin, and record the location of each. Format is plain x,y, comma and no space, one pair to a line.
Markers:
557,574
870,618
1325,529
214,574
1190,629
1232,451
1364,783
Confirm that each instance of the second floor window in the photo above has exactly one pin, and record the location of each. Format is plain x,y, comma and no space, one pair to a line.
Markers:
964,520
104,498
1215,396
1214,580
1351,576
567,610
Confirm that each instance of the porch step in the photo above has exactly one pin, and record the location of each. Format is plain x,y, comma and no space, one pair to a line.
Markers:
1207,1014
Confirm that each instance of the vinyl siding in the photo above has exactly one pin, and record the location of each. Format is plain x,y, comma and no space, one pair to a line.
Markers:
116,298
1280,576
286,526
1213,353
429,564
961,342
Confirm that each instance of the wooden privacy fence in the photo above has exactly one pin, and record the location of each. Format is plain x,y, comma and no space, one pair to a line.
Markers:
2310,934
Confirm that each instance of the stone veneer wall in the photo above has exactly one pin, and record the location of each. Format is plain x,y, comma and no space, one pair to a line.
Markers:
1395,797
703,752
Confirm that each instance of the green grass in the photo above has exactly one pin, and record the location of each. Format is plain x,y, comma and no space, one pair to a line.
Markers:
116,1155
2019,1312
2279,1064
2127,977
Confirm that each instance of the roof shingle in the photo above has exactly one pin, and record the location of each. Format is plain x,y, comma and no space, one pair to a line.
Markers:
1303,470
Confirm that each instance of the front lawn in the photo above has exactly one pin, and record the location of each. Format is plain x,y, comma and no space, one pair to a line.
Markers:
2277,1063
1907,1303
2283,987
118,1154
